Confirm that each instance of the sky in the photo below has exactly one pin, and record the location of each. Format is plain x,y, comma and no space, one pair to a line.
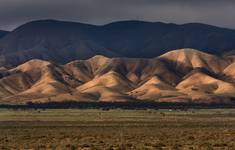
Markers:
14,13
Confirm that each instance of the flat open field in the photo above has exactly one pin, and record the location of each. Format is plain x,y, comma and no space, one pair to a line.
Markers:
117,129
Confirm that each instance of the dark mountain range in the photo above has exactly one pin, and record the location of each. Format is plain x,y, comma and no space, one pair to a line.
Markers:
66,41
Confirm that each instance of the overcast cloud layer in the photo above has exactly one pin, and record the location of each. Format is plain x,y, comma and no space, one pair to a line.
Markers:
215,12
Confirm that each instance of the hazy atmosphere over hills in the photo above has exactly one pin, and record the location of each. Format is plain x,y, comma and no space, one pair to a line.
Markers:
214,12
63,42
167,78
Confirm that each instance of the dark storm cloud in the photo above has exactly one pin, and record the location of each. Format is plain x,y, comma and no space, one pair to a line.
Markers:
215,12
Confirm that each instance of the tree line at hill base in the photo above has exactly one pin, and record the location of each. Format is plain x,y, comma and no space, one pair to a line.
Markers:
117,105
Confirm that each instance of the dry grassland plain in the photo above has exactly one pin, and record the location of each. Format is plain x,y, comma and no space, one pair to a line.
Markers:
72,129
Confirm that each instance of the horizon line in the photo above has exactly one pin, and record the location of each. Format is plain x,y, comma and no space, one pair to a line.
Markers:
113,22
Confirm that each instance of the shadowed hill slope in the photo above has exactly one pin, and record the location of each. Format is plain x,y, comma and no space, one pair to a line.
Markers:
3,33
63,42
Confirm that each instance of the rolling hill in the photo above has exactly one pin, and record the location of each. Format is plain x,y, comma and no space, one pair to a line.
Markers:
184,75
63,42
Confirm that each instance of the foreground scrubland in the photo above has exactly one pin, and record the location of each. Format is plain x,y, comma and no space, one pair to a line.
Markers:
117,129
